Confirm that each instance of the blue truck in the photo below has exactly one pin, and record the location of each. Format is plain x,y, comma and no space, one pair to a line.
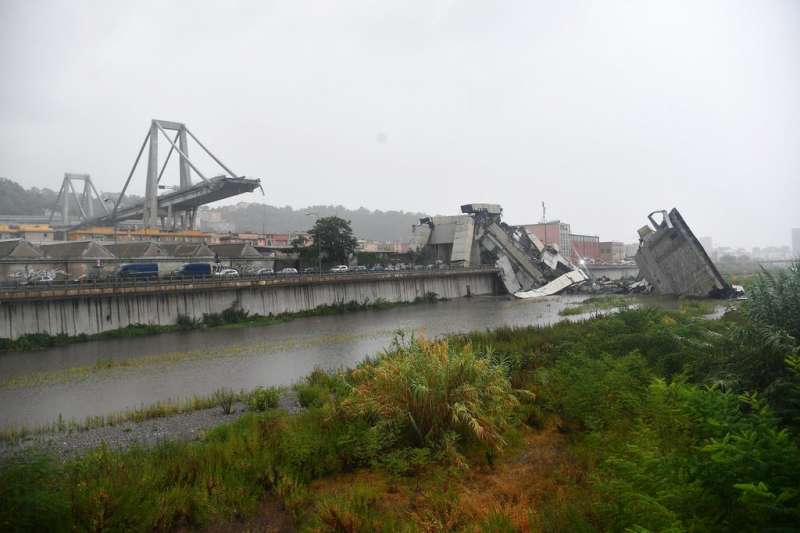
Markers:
199,270
138,271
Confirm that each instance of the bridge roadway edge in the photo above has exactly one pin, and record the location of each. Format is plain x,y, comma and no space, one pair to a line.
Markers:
91,310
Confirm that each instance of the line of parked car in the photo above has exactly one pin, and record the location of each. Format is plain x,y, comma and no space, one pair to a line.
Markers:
150,271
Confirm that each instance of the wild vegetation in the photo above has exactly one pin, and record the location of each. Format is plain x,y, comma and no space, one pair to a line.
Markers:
645,420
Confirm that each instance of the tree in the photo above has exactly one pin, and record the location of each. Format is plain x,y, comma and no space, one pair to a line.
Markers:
334,239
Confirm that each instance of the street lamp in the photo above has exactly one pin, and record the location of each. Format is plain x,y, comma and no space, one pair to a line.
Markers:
319,247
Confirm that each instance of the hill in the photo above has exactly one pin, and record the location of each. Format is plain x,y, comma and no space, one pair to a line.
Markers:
367,224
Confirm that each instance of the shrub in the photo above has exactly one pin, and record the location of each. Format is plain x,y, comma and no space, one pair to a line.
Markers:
185,322
30,498
225,398
320,387
234,314
774,300
311,395
261,399
594,393
430,390
212,319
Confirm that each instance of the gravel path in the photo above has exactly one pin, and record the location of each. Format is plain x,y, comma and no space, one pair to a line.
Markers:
182,427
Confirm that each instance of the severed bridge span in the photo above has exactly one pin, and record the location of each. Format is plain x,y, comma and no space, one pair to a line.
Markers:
176,209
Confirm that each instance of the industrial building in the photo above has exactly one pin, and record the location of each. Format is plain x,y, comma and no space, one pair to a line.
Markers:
612,252
585,247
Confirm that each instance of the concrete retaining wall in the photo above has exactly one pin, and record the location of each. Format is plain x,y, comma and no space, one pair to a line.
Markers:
96,314
614,272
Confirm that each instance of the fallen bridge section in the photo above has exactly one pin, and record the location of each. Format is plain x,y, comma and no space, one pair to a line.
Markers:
480,237
674,262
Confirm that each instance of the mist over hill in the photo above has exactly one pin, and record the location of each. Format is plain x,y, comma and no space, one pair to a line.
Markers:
367,224
17,200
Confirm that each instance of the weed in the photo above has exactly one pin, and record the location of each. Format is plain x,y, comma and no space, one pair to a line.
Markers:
261,399
225,398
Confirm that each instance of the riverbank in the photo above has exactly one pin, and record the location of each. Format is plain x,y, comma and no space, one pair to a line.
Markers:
570,427
143,428
229,318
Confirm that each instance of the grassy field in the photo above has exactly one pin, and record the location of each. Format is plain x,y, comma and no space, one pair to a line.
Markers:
645,420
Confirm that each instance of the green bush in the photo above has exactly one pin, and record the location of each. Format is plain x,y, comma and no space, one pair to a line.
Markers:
225,398
774,300
185,323
30,499
309,395
595,392
433,391
261,399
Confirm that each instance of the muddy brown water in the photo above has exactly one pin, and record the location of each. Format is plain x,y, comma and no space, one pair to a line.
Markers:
105,376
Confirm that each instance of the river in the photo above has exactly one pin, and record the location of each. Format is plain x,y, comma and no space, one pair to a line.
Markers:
104,376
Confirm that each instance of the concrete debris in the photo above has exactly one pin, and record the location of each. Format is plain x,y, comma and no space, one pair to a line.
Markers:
528,268
674,262
604,285
557,285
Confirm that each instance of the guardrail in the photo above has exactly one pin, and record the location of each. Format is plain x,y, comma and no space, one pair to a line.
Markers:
71,289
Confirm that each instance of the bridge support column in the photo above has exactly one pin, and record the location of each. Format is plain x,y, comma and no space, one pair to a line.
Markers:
151,188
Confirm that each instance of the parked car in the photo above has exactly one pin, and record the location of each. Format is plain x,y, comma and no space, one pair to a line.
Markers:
377,268
310,270
264,272
359,268
228,273
340,268
138,271
288,271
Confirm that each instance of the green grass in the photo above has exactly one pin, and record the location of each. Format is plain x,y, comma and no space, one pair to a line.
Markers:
595,304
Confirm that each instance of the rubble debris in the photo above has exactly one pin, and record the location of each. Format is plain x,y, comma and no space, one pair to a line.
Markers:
604,285
674,262
528,268
557,285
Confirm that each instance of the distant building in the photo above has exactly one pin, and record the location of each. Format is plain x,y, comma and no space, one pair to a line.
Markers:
234,250
612,252
584,247
186,250
69,250
796,242
135,249
14,249
133,233
29,232
631,249
372,246
553,232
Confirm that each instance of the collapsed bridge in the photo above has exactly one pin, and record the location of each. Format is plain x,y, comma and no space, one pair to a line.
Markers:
527,267
173,210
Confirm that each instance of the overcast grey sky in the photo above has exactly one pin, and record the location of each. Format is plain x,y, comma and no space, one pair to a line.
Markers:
605,110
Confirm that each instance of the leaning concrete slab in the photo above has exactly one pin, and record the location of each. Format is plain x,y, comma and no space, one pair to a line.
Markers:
674,262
